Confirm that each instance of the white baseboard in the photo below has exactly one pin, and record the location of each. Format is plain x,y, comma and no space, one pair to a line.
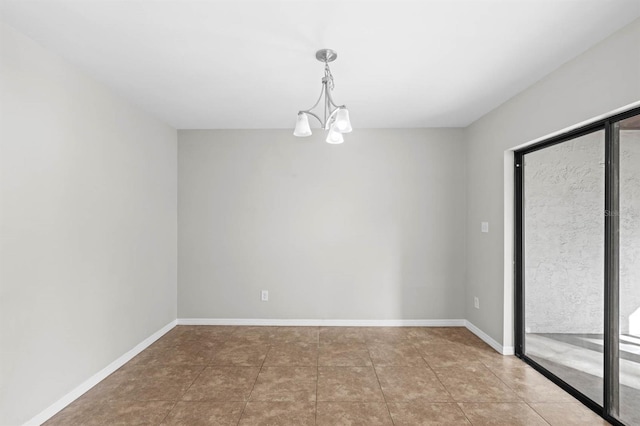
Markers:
504,350
99,376
323,322
508,350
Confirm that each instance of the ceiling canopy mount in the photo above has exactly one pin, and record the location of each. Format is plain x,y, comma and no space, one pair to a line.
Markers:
326,55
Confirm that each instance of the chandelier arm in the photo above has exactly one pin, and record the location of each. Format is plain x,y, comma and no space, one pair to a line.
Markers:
314,116
331,101
318,101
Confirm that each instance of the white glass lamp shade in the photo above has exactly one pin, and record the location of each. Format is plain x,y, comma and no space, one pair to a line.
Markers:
342,123
302,126
334,137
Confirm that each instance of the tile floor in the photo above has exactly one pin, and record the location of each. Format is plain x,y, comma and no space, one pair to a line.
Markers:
205,375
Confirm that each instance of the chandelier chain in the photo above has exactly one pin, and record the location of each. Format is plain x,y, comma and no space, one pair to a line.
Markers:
328,76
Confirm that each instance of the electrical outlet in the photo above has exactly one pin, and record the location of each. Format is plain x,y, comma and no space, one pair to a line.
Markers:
264,295
476,303
484,226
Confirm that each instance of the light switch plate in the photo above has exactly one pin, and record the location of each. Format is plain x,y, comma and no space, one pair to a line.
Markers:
484,226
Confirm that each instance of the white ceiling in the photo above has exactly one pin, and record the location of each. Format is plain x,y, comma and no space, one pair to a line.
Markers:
251,64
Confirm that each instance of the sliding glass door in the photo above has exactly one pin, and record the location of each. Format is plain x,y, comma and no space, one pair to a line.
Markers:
564,252
578,263
628,358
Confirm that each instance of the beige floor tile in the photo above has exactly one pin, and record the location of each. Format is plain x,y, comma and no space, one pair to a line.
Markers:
203,334
484,349
193,353
497,361
342,335
240,354
285,384
218,383
176,336
75,413
429,414
164,382
352,414
532,386
131,413
389,335
206,374
403,384
278,414
401,354
475,384
348,384
107,389
429,335
501,413
190,413
253,335
567,414
153,390
151,354
465,336
448,355
444,335
292,355
115,413
212,332
306,335
336,354
200,333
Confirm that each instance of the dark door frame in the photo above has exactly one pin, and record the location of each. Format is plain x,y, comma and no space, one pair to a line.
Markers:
610,125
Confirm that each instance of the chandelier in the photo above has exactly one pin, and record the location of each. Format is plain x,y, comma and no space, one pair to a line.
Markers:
333,118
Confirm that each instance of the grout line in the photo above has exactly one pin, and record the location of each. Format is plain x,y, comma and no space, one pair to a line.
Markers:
447,390
417,347
169,412
186,390
254,383
444,387
520,399
463,412
536,411
504,383
386,404
439,380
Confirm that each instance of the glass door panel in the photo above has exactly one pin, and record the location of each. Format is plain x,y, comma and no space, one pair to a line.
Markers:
628,409
563,252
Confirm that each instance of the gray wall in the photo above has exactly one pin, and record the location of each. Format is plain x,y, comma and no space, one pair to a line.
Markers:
87,227
371,229
600,80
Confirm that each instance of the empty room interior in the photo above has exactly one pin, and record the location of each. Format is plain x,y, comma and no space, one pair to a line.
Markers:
281,212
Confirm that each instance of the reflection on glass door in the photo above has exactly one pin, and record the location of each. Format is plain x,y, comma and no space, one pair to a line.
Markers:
627,403
563,249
